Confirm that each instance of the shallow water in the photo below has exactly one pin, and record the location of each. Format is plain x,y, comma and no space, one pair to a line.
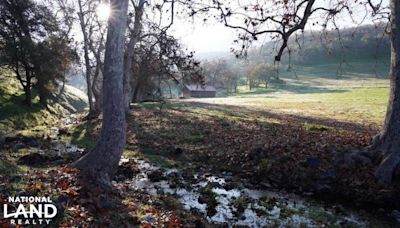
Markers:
260,207
64,148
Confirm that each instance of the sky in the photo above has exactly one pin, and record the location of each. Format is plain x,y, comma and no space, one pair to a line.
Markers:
204,38
215,37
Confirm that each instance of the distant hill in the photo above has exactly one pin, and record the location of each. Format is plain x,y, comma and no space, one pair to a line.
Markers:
212,55
73,99
364,43
353,52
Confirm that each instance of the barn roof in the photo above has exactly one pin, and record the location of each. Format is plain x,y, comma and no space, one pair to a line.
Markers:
200,88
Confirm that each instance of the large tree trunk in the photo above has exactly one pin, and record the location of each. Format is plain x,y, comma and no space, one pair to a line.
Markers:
129,55
101,163
387,143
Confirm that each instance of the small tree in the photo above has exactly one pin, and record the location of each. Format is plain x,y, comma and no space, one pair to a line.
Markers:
262,73
31,38
93,32
129,58
84,15
53,59
159,61
219,73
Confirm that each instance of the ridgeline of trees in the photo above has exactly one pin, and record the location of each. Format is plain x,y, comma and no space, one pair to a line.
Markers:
364,43
368,46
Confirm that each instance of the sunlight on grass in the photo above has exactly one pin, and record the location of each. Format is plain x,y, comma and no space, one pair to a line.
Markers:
364,103
81,139
14,114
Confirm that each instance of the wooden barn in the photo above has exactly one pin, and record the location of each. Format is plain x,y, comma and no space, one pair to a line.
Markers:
198,91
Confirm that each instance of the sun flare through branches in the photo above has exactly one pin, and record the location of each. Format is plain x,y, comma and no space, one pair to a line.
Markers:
103,11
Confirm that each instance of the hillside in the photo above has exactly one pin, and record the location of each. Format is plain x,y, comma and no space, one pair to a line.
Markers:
360,52
368,45
14,115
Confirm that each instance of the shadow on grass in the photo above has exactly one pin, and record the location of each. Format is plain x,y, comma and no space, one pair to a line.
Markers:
15,107
279,149
85,135
224,136
16,115
359,68
299,120
298,88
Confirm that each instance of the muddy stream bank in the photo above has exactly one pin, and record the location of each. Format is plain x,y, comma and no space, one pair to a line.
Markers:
228,201
222,199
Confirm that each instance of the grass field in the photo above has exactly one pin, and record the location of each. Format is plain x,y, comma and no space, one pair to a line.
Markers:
355,105
356,99
267,134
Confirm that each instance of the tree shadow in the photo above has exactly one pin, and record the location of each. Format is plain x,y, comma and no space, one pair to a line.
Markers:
296,88
294,119
85,135
226,137
15,114
16,108
278,149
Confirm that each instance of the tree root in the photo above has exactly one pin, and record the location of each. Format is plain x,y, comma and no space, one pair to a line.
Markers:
387,168
93,174
354,159
388,160
92,115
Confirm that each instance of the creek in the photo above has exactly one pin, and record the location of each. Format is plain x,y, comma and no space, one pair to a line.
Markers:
224,201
